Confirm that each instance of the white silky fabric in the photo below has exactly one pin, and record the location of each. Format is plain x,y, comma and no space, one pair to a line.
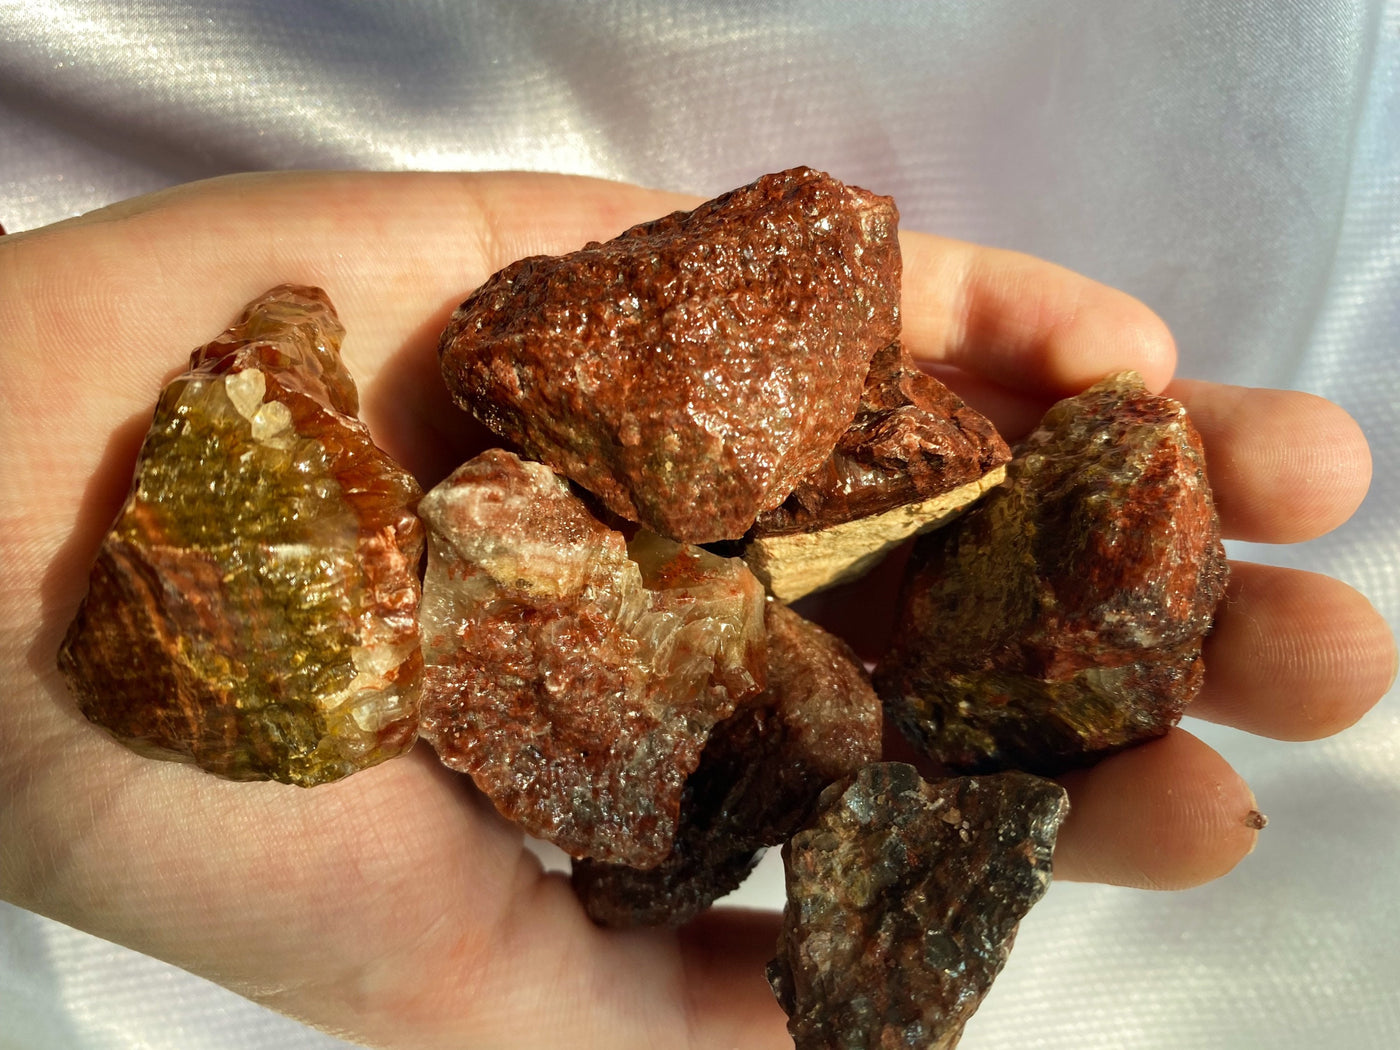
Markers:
1236,165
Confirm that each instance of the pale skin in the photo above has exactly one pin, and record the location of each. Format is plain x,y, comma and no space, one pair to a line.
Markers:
395,907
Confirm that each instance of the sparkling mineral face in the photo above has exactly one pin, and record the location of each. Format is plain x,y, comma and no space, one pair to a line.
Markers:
903,902
913,458
693,370
576,677
759,778
1062,618
254,607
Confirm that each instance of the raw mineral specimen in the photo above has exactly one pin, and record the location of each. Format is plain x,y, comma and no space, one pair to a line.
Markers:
759,777
903,902
254,607
914,457
1062,618
693,370
575,678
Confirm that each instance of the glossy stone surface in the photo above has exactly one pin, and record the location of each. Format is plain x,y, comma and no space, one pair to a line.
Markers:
913,458
912,438
254,607
903,903
1062,618
759,778
693,370
576,677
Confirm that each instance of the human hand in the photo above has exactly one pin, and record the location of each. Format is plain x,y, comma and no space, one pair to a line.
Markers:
395,907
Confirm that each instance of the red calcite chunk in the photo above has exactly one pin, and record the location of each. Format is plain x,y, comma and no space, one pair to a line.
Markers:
1062,617
574,677
254,607
693,370
760,775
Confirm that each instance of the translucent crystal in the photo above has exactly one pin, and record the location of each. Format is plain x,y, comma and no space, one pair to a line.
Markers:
575,680
253,608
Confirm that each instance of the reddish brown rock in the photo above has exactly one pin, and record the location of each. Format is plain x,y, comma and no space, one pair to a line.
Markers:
759,777
914,457
693,370
1062,618
254,607
577,680
912,438
903,903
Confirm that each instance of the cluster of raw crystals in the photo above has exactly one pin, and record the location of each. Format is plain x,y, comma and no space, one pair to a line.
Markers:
731,376
254,607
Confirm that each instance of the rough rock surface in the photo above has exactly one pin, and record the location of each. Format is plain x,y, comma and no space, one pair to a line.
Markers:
903,902
693,370
577,680
253,608
1062,617
912,438
912,459
759,777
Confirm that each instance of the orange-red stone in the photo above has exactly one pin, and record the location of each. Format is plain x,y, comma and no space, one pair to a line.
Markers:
693,370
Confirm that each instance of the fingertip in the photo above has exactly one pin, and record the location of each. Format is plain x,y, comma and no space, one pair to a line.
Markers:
1294,655
1285,466
1112,332
1167,815
1027,324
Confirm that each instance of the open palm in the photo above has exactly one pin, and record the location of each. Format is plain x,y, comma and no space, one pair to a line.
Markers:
395,907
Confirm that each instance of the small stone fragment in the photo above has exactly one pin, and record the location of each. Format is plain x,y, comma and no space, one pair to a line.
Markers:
254,607
574,678
818,721
693,370
1061,619
914,457
903,903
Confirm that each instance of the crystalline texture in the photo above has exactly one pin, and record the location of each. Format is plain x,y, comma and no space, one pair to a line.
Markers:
912,438
912,459
693,370
903,903
574,679
253,608
759,777
1062,618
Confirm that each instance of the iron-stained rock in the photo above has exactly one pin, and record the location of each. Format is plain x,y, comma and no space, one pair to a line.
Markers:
693,370
903,903
1062,618
576,679
759,777
914,457
254,607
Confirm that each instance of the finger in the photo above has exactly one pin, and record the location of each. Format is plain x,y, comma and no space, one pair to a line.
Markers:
1284,466
396,251
1024,323
1169,814
1293,655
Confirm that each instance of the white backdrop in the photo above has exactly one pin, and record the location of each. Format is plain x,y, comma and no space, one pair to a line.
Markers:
1236,165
